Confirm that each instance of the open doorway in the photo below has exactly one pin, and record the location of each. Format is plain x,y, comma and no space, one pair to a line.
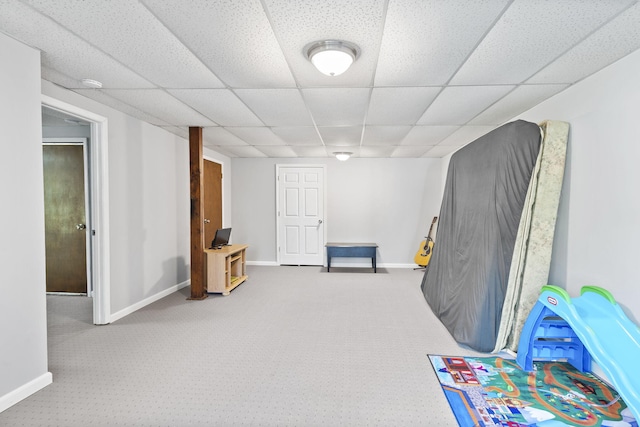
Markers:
70,125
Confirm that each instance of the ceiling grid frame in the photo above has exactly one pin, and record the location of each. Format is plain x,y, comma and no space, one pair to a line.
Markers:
370,99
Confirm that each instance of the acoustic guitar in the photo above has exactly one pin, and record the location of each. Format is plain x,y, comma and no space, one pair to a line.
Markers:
423,256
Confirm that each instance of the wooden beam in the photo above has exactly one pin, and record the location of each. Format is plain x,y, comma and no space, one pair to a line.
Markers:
197,215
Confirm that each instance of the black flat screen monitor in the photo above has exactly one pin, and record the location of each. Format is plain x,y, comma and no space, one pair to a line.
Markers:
221,238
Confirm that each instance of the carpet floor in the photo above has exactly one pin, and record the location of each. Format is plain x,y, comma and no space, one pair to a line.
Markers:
292,346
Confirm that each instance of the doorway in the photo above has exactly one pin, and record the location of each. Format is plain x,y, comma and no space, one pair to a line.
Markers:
97,182
300,204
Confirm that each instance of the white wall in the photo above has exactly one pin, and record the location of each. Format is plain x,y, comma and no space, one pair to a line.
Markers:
598,227
23,333
148,212
387,201
149,204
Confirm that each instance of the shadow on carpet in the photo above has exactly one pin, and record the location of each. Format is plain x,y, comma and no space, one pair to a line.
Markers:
492,391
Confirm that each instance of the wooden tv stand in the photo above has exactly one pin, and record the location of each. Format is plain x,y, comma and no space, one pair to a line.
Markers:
225,268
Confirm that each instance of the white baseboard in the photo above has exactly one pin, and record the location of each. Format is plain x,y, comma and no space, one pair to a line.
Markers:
263,263
368,264
509,353
22,392
398,265
153,298
340,264
598,371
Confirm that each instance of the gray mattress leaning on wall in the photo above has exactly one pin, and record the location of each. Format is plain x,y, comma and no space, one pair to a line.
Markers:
482,280
466,281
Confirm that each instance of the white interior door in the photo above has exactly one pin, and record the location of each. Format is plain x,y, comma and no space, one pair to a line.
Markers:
301,215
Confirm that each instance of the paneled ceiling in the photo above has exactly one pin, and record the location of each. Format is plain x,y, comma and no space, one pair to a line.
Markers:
432,76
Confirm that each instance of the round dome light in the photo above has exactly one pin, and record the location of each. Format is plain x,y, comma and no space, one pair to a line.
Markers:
332,57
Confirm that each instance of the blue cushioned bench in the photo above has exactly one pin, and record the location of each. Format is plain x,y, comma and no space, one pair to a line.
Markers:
351,250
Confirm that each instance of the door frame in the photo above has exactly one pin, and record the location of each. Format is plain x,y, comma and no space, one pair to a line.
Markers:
87,201
280,166
98,165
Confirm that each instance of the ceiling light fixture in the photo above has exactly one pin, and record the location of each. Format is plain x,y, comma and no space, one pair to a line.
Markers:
343,155
92,83
332,57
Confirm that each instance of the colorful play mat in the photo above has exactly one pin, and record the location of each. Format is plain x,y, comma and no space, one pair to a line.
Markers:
493,391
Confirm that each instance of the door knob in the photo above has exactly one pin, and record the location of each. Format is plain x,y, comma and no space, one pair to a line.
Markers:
319,221
206,221
81,227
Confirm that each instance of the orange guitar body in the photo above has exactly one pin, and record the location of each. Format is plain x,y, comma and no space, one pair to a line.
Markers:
423,256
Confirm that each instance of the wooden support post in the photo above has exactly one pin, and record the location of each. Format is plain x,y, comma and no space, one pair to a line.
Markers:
197,215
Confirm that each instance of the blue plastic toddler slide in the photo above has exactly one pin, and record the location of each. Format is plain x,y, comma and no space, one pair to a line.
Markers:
591,326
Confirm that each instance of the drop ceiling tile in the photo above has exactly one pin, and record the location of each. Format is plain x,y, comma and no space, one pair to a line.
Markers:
277,151
128,32
59,78
277,107
219,149
518,101
160,104
221,137
344,136
244,151
298,135
179,131
530,35
399,105
234,38
458,104
333,109
440,151
384,135
378,151
102,97
256,135
425,42
337,106
65,53
219,105
298,23
410,151
310,151
465,135
427,135
614,40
